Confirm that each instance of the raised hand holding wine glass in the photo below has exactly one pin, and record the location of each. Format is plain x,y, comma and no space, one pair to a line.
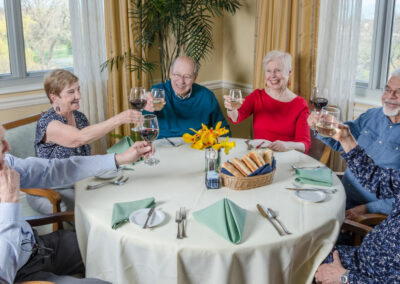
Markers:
236,98
149,130
328,121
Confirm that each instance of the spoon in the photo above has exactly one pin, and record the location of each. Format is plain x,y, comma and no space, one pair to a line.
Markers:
272,214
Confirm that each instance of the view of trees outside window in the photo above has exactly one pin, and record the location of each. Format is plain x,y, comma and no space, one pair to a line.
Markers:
365,43
47,34
4,56
394,60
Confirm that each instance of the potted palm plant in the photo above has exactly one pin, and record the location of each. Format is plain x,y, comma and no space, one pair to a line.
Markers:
174,28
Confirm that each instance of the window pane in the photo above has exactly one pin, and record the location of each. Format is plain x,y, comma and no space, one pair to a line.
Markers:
394,60
365,44
4,55
47,34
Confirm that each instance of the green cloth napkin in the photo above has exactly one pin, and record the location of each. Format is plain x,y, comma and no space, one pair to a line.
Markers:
225,218
122,145
122,210
318,176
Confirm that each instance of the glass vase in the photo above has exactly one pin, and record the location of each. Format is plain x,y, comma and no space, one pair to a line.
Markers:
213,159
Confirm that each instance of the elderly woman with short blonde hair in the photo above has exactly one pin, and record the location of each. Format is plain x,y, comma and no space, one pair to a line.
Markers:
279,115
63,131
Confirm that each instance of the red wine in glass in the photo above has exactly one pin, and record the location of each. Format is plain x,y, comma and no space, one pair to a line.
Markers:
319,103
138,103
149,134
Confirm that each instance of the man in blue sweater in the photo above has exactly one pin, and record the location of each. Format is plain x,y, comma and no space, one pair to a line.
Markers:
188,104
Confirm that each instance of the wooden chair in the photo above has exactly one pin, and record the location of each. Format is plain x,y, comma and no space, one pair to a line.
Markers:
23,131
360,227
319,150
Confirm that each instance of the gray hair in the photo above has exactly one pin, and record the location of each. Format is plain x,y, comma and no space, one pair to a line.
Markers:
284,57
396,73
195,64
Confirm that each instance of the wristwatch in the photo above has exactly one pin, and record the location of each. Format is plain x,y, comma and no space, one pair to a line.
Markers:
344,279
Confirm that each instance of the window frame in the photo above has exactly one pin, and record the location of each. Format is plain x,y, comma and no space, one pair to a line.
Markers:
380,51
19,77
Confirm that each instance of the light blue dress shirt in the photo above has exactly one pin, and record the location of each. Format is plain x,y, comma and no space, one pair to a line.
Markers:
38,173
380,138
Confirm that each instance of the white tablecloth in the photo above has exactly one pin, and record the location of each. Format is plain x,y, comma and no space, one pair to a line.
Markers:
131,254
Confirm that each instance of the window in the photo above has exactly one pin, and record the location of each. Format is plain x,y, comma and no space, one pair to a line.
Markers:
379,45
35,36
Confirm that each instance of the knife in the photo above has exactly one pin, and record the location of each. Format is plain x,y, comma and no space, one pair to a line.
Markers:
261,210
169,141
325,190
148,217
260,144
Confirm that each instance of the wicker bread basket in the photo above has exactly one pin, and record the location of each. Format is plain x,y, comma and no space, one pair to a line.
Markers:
243,183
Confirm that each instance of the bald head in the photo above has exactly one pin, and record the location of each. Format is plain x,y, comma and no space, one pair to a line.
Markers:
183,73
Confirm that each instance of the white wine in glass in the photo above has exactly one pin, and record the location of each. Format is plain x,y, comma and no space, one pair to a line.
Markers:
236,98
328,121
158,99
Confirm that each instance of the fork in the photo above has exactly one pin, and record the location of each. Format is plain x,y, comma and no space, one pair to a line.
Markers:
118,181
178,220
183,216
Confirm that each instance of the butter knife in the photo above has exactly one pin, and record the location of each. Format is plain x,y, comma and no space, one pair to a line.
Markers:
326,190
261,210
148,217
169,141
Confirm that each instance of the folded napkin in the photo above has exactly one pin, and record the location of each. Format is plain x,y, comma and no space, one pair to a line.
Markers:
225,218
122,210
124,144
317,176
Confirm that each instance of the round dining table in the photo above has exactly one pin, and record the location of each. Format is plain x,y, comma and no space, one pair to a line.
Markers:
131,254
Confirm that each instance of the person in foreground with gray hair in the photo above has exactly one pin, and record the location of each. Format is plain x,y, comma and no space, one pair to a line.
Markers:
25,256
279,115
188,104
378,132
377,259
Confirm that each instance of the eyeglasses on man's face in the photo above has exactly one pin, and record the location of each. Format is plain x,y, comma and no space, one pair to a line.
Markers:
34,248
186,77
388,91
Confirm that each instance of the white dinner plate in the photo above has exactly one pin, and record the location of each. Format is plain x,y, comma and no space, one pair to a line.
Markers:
107,174
257,142
139,217
311,196
178,141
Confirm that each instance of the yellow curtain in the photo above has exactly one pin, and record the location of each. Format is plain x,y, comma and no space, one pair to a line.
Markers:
291,26
120,39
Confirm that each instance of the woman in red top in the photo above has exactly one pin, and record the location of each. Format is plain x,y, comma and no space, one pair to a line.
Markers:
279,115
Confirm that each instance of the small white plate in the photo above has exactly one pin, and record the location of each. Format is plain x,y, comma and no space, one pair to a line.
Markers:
178,141
139,217
108,174
311,196
257,142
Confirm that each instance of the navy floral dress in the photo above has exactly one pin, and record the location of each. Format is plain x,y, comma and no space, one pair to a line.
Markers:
377,260
53,150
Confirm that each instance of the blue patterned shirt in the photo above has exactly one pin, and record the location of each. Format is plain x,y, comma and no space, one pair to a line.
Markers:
377,260
53,150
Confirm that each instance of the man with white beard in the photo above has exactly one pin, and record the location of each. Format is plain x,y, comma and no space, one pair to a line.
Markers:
378,132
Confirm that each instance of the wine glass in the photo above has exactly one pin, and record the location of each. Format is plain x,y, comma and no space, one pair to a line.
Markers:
319,98
236,98
137,99
158,99
328,121
149,130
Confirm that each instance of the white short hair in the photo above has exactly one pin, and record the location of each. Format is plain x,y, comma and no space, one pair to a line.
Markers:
396,73
284,57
